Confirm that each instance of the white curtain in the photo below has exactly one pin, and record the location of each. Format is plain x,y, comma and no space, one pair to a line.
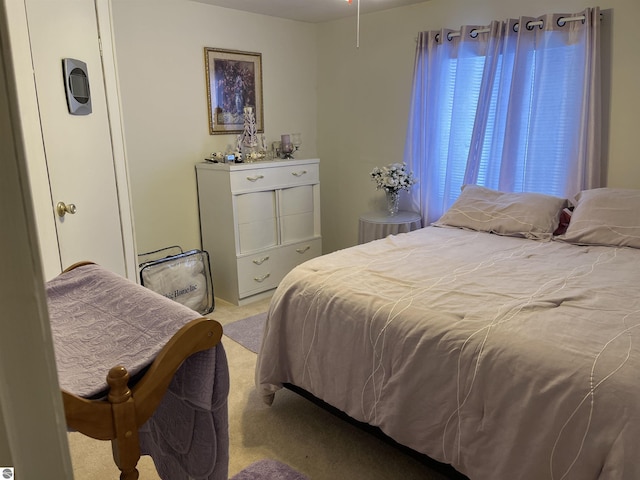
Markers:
513,106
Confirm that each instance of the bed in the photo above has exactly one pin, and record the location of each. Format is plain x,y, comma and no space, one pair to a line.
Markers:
170,402
491,340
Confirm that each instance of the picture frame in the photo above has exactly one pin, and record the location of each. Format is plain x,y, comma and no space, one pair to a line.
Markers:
234,81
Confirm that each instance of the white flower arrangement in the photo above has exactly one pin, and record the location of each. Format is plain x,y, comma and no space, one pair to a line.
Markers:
393,178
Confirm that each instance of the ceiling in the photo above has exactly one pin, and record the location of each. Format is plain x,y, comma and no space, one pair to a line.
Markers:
312,11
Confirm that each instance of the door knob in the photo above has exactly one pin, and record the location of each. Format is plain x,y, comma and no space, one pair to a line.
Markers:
63,209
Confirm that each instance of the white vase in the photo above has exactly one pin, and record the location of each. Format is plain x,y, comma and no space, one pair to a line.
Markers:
393,202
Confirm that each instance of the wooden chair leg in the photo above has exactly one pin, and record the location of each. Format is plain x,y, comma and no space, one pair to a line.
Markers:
125,445
126,463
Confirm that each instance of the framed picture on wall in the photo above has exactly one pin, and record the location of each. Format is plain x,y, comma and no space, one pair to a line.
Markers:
234,81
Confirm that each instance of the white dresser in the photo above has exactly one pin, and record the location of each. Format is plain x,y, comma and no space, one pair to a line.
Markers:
258,221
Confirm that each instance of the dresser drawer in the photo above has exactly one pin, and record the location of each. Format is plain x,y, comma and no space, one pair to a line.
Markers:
274,177
265,270
300,252
259,272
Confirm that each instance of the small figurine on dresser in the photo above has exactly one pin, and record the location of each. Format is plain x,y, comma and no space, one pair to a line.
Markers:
251,146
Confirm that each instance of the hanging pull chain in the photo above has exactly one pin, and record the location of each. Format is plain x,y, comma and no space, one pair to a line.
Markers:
358,26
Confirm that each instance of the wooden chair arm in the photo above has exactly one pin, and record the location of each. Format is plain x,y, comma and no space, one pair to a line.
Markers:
77,264
197,335
90,417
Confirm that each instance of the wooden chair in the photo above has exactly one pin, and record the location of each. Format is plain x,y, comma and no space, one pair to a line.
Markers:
126,409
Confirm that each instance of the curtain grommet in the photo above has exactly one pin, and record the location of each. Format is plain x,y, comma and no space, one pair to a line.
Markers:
531,25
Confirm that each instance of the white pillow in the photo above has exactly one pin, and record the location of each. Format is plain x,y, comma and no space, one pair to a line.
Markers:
605,216
529,215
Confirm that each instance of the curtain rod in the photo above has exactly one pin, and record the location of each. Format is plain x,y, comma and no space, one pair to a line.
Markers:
530,25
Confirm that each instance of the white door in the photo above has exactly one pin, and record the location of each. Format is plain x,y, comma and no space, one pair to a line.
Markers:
78,148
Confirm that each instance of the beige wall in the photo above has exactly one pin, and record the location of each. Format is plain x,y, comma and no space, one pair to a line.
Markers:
315,81
364,95
160,56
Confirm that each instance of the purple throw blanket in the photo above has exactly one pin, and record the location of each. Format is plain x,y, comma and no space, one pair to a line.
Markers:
99,320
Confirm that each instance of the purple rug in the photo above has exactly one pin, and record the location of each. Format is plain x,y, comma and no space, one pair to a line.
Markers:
269,470
247,332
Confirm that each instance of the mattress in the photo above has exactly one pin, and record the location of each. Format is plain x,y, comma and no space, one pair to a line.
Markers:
505,357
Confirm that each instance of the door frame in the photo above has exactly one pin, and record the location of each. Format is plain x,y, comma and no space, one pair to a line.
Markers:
31,418
112,89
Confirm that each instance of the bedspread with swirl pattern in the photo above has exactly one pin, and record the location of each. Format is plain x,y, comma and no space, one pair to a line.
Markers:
505,357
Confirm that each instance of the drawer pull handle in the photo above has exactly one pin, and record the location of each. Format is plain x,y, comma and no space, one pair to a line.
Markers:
255,178
304,249
299,174
260,261
262,278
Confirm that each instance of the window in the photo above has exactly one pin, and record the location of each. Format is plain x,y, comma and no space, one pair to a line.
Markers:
513,109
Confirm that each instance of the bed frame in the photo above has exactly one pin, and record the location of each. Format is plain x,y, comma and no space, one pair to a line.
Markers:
126,409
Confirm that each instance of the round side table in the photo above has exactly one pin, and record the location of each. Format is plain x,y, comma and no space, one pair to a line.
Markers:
375,225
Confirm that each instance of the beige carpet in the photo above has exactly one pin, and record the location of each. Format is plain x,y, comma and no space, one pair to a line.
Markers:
293,430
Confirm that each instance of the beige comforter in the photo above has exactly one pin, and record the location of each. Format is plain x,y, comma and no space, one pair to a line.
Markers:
507,358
